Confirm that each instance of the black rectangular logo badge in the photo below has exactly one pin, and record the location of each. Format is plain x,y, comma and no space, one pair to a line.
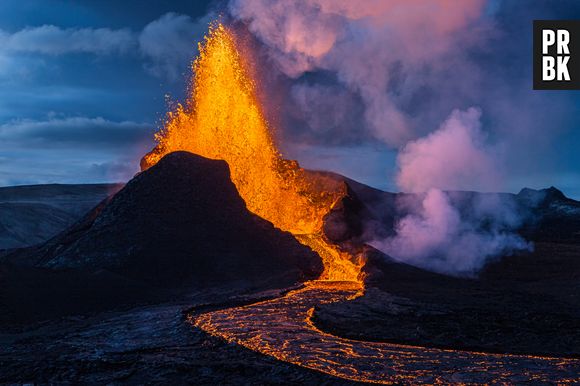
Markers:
556,54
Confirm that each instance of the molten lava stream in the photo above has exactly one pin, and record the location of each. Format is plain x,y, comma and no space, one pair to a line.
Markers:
223,120
283,328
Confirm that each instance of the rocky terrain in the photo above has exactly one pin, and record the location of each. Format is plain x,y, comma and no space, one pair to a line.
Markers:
150,344
542,215
182,222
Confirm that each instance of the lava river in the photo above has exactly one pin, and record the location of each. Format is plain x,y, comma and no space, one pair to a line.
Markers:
282,328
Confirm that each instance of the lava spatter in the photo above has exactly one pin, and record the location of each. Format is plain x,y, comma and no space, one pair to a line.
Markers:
223,119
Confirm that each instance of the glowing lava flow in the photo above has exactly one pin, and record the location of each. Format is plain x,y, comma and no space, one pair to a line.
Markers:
283,328
223,120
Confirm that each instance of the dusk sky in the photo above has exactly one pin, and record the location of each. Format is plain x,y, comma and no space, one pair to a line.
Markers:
83,87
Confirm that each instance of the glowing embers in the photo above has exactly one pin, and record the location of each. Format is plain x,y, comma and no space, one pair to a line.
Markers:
223,120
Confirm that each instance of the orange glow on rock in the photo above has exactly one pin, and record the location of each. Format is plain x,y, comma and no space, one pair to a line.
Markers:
223,120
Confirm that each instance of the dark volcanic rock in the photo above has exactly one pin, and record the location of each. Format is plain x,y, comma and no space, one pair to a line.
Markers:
180,223
535,197
148,345
345,221
553,217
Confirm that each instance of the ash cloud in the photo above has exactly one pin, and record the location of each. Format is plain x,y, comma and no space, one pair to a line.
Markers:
332,112
407,65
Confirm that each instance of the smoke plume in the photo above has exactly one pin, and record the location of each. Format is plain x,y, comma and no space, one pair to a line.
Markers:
437,237
435,234
455,157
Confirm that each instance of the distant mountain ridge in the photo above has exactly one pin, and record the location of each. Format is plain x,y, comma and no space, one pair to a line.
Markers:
31,214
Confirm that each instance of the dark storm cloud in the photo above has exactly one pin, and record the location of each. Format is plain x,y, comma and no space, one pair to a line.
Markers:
168,44
67,165
71,150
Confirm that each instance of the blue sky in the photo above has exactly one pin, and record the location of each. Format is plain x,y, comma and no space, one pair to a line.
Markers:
84,84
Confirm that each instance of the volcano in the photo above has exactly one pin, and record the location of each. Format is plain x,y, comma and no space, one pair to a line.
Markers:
200,269
180,223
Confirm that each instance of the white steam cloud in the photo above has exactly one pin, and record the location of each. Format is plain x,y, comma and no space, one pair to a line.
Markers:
437,237
435,234
455,157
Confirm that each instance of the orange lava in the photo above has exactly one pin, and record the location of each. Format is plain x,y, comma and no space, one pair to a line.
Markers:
283,328
223,119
